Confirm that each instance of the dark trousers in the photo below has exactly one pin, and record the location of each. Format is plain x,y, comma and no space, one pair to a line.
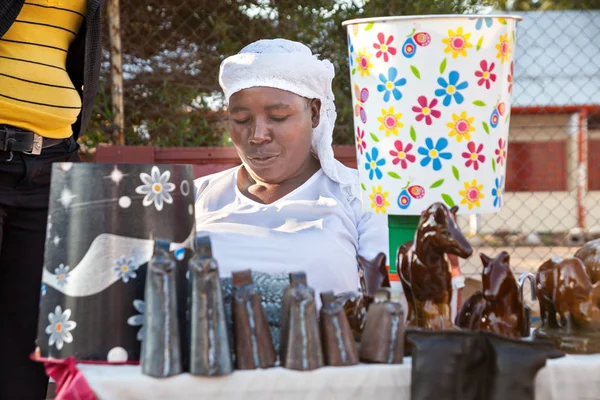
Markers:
24,192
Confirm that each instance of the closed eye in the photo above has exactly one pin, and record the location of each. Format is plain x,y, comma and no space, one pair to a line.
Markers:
278,119
241,121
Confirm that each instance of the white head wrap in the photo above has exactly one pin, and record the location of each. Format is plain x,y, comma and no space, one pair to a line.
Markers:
291,66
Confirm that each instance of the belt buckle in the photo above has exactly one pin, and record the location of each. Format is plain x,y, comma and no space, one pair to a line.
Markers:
36,147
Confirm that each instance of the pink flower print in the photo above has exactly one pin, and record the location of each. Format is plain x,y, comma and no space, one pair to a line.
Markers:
501,152
485,74
426,110
473,155
383,47
402,154
510,76
361,145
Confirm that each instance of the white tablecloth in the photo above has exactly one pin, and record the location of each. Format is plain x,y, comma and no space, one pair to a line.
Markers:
568,378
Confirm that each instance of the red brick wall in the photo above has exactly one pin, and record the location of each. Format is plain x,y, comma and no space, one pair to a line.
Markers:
537,166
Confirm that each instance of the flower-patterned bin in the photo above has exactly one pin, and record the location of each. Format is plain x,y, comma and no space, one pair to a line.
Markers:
102,220
432,100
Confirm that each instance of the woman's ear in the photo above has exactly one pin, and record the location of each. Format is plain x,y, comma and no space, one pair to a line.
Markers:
315,111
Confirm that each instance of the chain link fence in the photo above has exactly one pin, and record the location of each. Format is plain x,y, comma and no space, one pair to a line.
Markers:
171,53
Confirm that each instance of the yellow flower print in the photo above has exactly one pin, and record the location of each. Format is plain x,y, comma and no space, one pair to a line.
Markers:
364,62
472,194
457,42
379,200
461,126
503,48
390,121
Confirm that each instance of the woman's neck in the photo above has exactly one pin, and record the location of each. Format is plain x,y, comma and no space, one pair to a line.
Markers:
267,193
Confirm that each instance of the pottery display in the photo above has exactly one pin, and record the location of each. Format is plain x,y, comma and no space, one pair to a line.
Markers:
102,223
424,270
432,104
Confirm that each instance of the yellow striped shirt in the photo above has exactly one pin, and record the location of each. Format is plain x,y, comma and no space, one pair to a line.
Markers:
36,92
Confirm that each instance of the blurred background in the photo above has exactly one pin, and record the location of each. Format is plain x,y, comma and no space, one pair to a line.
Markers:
159,90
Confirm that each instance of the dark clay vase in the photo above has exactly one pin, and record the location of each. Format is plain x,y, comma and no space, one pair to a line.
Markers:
161,355
383,337
339,347
300,337
252,338
210,353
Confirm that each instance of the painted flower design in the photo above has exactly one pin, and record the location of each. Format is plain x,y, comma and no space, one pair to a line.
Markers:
480,21
60,327
503,48
373,163
383,47
62,275
472,194
138,319
473,155
485,75
156,187
350,51
500,152
450,88
390,121
498,191
389,84
379,200
433,153
364,63
361,145
510,76
425,110
461,126
43,289
402,154
457,42
126,268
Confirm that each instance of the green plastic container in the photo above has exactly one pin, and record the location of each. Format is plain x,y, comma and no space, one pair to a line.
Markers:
401,229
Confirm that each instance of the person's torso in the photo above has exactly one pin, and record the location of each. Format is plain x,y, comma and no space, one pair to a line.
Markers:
312,229
36,92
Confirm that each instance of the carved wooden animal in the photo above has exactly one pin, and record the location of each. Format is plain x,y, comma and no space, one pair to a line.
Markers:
564,289
425,271
499,308
373,275
589,253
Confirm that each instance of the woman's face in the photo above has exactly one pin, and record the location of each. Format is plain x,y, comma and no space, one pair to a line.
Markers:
272,131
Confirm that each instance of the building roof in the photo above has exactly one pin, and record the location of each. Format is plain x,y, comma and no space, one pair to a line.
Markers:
557,59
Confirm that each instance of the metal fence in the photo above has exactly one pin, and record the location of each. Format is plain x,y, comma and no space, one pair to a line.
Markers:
168,85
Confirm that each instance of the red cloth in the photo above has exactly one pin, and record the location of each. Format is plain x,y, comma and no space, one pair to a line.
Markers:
70,382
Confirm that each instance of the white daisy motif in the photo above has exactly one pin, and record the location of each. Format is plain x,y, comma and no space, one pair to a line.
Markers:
62,274
66,197
138,320
156,187
56,240
60,327
126,268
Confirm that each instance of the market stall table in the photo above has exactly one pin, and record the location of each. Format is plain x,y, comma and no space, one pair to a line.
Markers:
574,377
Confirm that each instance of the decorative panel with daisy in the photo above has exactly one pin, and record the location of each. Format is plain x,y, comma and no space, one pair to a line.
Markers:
102,221
432,100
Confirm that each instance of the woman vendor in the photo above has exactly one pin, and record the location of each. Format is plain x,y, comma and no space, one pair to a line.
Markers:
290,206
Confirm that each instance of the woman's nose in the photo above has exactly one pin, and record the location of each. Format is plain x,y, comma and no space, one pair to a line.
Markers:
261,132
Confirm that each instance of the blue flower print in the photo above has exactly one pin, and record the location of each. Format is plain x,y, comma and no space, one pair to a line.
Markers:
451,88
350,51
479,23
372,165
497,192
389,84
434,153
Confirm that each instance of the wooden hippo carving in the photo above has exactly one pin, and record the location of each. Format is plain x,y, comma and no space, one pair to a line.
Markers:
568,305
373,275
425,271
499,308
589,254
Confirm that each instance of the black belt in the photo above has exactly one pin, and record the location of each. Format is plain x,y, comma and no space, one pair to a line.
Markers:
15,139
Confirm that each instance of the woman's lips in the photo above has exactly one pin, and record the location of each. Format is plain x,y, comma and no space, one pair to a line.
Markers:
263,160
